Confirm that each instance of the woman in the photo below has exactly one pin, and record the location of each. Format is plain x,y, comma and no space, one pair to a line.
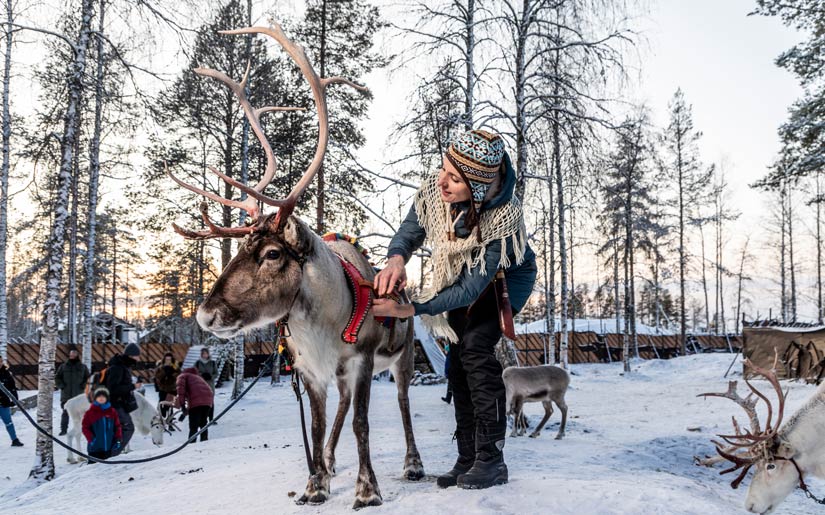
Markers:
208,370
196,398
166,375
475,227
6,403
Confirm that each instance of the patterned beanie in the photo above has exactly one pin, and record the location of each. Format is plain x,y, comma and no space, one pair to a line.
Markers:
477,156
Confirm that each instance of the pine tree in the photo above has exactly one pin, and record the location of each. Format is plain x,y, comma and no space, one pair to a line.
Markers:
690,179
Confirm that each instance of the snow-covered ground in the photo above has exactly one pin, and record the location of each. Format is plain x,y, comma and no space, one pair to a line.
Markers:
628,450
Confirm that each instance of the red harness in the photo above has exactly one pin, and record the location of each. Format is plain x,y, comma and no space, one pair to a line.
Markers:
362,295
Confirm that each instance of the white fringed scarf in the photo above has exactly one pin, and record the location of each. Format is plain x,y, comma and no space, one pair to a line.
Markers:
450,256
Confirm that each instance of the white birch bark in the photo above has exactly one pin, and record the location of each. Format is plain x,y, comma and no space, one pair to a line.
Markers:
4,182
91,214
44,466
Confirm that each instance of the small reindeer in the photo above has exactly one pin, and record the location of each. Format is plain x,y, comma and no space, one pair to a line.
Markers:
546,384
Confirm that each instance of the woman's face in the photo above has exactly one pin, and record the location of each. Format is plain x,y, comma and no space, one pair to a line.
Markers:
167,360
452,186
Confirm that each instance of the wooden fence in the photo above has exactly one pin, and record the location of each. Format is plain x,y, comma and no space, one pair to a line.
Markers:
23,358
590,347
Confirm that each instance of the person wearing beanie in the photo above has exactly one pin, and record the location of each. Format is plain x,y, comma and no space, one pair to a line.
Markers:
71,380
166,375
118,381
483,272
101,427
6,402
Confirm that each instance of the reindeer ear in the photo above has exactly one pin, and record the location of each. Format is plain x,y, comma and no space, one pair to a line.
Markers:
297,235
784,450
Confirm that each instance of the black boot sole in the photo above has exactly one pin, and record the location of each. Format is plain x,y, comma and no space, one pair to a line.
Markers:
496,482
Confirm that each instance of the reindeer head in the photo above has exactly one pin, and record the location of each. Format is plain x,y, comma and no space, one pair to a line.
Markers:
262,282
156,429
765,450
264,278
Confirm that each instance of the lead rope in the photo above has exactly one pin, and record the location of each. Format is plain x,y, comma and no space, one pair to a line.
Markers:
804,486
283,334
176,450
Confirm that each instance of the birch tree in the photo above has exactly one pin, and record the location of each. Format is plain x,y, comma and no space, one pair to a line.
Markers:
44,466
4,177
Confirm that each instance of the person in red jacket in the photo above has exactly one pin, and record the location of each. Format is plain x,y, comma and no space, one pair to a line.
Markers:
196,397
101,427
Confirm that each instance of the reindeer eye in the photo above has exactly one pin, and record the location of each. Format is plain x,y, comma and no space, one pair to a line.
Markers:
771,466
273,254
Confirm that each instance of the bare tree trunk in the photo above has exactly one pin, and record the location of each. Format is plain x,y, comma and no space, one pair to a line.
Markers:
818,250
682,251
469,64
237,388
44,467
114,285
94,178
740,280
705,279
4,183
782,282
791,262
71,316
319,209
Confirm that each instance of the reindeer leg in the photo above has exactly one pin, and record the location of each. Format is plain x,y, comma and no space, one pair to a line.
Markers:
366,487
401,371
317,490
548,411
563,407
72,436
345,399
518,402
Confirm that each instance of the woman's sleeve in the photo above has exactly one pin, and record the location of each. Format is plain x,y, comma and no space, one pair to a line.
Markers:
409,237
467,288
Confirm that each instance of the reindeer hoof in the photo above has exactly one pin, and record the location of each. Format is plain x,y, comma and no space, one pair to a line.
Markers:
317,491
414,473
413,468
535,435
373,500
559,436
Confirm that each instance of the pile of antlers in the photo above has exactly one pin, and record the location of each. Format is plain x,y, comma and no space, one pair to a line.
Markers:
747,447
255,193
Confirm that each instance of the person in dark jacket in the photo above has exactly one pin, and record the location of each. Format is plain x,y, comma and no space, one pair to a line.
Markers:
101,427
475,227
195,396
118,381
166,376
71,380
208,370
6,403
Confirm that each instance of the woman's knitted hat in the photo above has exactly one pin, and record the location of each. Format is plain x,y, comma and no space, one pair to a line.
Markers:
477,156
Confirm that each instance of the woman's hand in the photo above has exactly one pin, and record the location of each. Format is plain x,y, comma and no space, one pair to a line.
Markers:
394,273
390,308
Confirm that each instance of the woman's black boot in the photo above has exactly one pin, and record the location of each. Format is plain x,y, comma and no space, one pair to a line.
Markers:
466,457
489,468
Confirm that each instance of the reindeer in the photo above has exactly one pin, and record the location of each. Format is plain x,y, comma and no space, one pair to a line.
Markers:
546,384
284,272
783,454
146,418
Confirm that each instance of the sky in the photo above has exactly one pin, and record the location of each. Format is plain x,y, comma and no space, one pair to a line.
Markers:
721,58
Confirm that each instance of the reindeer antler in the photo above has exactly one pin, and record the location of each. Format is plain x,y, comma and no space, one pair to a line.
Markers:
752,442
286,205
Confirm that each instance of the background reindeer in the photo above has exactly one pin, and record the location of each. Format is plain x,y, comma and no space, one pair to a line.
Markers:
783,454
146,418
285,271
546,384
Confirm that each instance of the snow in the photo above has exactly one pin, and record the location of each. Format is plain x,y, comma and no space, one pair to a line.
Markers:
431,348
628,450
582,325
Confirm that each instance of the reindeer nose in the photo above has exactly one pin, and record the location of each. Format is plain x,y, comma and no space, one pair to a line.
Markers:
205,317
